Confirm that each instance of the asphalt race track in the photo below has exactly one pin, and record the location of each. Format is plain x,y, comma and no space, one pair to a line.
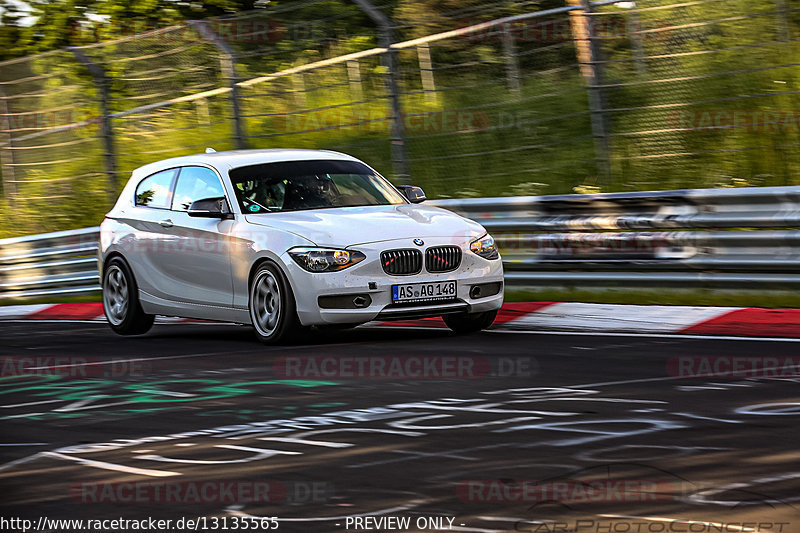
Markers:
499,431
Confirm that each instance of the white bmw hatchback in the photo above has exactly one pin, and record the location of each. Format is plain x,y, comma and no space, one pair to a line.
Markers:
282,239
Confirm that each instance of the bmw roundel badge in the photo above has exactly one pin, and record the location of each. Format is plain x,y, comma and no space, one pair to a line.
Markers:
419,242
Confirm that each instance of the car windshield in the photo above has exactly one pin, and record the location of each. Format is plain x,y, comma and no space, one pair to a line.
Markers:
302,185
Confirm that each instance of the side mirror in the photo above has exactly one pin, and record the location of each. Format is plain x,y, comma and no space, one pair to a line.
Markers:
210,208
414,194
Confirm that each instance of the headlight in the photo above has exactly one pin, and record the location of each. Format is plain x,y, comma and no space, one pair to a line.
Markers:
485,247
325,260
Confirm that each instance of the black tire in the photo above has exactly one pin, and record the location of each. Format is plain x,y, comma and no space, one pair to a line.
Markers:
466,323
121,300
337,327
272,324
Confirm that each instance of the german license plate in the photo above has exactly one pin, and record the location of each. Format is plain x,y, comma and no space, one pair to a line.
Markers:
424,292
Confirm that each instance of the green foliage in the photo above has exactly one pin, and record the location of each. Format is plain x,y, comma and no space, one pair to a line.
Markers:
660,296
75,22
666,91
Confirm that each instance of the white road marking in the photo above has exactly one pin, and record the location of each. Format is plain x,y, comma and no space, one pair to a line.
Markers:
167,357
135,360
449,453
701,497
698,417
15,312
112,466
687,336
20,461
259,454
499,329
613,317
780,409
632,455
649,380
309,442
80,404
628,381
359,430
28,404
102,320
166,393
262,451
23,415
414,455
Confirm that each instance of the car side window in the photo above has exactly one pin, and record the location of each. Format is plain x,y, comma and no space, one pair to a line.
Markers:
196,183
156,190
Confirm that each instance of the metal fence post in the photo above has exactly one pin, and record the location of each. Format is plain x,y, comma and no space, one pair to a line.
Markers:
426,72
354,77
783,20
228,65
7,151
512,63
589,57
637,41
106,131
398,135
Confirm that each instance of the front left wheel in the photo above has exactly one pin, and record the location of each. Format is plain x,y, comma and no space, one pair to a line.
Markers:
121,300
272,306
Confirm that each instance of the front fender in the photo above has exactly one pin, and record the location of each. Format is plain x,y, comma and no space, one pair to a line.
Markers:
250,245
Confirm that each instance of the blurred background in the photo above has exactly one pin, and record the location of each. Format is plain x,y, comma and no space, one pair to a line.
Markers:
531,99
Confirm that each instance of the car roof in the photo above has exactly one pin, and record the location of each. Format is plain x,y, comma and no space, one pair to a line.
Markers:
240,158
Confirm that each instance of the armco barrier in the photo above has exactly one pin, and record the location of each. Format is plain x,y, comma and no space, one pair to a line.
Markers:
743,238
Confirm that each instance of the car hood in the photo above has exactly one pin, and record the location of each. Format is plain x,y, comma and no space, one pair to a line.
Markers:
347,226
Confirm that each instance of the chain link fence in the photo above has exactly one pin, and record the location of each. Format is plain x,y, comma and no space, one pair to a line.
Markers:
477,99
703,93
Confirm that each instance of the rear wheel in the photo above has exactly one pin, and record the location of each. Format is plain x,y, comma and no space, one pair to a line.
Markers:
464,323
272,307
121,300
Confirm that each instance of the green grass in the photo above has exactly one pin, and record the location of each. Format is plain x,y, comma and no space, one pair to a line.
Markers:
720,298
50,300
538,141
771,300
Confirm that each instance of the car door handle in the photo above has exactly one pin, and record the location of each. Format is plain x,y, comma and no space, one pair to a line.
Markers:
166,223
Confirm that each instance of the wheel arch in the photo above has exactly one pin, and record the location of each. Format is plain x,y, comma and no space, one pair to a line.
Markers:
107,259
261,261
291,318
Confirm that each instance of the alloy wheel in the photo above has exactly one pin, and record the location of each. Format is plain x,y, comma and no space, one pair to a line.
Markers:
266,303
115,295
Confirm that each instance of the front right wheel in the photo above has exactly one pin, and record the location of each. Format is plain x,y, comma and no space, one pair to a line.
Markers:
465,323
272,306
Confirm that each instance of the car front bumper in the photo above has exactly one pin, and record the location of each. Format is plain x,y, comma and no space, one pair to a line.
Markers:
368,278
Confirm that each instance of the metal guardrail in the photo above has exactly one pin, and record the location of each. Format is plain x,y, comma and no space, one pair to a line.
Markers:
746,238
51,264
